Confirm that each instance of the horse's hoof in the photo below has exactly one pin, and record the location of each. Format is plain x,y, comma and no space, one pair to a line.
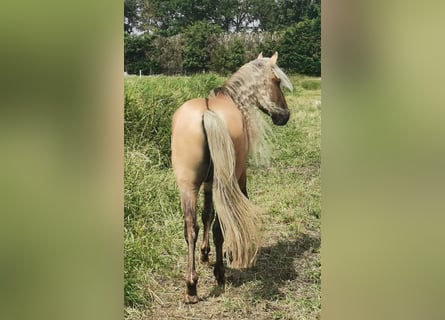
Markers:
190,299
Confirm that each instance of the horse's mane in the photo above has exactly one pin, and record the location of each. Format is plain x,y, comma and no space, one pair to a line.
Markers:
248,88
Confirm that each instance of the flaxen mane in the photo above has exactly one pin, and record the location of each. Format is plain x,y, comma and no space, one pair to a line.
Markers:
250,88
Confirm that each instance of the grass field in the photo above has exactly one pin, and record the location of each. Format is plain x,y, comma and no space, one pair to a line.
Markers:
285,283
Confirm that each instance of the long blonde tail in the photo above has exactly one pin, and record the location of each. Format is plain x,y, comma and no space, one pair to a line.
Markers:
237,215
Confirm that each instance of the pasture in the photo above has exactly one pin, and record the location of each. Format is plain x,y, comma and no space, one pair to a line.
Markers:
285,283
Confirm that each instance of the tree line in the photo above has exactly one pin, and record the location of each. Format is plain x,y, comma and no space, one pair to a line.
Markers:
184,37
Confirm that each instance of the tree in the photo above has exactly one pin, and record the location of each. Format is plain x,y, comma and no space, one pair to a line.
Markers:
140,54
301,48
264,12
131,18
280,14
197,49
224,14
168,18
227,59
183,35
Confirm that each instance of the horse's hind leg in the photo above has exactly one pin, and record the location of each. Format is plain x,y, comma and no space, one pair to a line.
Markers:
207,219
218,239
191,228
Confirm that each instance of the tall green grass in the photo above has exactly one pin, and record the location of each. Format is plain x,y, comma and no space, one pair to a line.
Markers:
151,211
149,105
289,189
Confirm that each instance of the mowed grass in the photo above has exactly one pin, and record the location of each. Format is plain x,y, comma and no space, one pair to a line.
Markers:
285,283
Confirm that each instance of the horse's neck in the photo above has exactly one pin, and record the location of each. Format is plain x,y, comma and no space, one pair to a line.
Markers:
243,97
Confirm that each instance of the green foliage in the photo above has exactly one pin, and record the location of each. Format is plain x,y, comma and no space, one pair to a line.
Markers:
226,60
301,48
198,46
204,48
140,53
130,14
183,37
170,54
149,106
290,12
168,18
269,46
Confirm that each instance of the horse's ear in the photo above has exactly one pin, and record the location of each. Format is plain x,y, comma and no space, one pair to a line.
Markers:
273,59
260,56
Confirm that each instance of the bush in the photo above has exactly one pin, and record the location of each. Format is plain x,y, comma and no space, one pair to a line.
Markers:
226,59
270,45
140,54
301,48
204,47
200,40
170,54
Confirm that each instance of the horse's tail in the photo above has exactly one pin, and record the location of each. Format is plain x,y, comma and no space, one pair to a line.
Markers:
237,215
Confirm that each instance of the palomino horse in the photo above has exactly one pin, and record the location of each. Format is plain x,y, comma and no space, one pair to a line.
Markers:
211,141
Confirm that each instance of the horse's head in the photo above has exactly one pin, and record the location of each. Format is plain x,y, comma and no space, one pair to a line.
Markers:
273,102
